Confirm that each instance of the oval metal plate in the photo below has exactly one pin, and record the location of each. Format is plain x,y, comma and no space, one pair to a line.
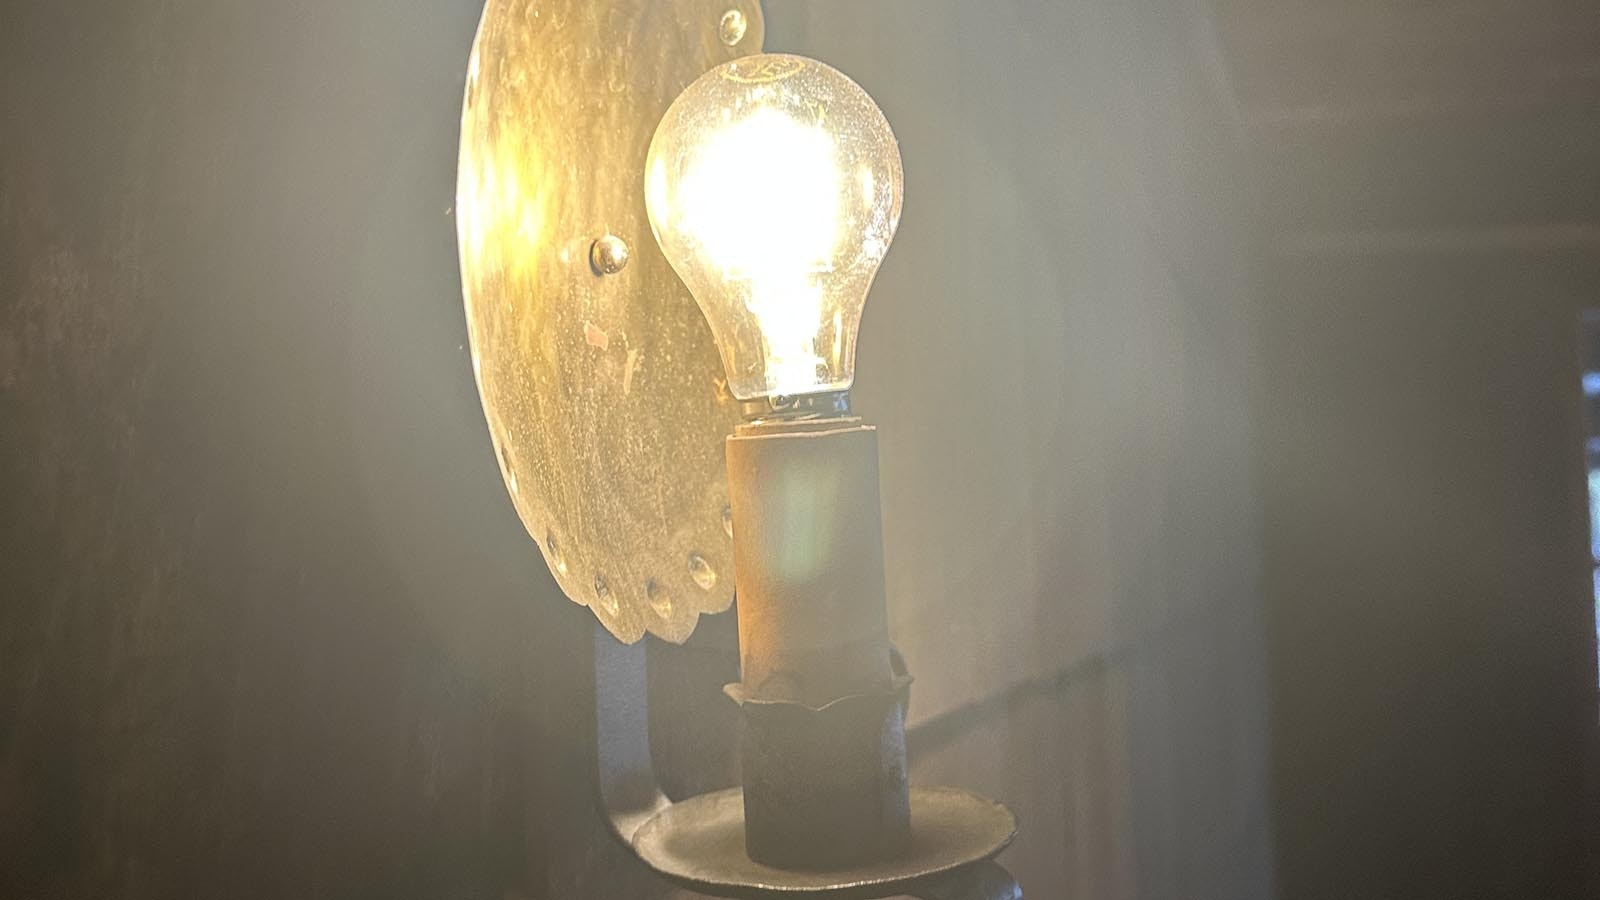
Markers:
603,393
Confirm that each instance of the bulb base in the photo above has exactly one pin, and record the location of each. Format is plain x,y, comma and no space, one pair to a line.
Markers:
796,407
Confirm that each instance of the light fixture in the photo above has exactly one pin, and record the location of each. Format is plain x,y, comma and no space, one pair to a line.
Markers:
772,187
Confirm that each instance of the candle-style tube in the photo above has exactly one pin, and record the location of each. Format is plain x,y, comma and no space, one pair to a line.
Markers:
808,560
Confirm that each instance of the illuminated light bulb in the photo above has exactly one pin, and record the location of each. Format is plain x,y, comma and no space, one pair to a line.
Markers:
774,186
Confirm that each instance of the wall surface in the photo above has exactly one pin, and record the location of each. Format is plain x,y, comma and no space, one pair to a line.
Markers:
1058,355
1431,611
1430,203
270,625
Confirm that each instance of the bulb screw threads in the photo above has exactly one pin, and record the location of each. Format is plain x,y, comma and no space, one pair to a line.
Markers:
796,407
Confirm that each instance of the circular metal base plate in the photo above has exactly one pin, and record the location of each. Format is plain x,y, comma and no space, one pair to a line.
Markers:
700,843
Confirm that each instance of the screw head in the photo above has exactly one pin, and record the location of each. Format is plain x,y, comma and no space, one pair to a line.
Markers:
732,27
608,255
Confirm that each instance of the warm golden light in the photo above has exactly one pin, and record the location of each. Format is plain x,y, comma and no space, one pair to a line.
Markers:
596,370
774,187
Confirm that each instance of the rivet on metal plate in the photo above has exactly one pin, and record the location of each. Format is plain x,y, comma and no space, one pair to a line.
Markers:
608,255
731,28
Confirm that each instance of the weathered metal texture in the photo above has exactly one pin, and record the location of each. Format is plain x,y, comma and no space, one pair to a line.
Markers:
599,380
700,844
825,788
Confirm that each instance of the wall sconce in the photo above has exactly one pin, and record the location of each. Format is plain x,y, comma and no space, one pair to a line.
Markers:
613,153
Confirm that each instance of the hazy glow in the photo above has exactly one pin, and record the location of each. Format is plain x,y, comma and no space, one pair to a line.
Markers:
773,186
733,173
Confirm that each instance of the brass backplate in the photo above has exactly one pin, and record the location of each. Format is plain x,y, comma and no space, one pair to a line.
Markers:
602,389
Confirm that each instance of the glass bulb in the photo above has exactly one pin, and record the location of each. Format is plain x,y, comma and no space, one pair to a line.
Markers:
774,187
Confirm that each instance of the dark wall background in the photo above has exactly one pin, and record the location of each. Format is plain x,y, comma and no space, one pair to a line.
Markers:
1280,367
1426,190
1432,620
269,627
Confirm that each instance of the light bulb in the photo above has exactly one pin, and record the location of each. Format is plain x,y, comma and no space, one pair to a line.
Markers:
773,185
